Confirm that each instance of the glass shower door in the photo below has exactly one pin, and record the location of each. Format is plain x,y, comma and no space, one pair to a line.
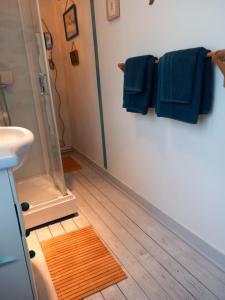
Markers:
56,169
4,114
34,40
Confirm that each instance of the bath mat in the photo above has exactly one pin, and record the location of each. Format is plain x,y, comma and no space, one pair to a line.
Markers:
80,264
70,165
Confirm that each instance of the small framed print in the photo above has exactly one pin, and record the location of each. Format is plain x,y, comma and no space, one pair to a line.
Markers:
70,22
74,57
113,9
48,40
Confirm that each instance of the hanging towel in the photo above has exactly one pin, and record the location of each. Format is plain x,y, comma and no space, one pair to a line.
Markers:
155,85
182,91
208,86
138,83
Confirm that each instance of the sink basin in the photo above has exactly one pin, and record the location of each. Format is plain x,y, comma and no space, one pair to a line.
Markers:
15,143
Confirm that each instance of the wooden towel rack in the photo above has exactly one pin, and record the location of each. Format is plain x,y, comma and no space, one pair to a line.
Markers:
121,66
218,57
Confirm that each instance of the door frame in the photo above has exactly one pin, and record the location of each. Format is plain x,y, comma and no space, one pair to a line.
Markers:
99,87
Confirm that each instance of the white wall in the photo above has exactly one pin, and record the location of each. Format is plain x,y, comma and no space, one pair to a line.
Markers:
52,16
82,90
77,84
179,168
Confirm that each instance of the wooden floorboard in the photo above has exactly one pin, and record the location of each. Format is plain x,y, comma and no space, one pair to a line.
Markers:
198,276
165,265
160,274
105,183
67,226
45,288
113,293
43,233
97,296
141,276
207,268
70,225
129,287
159,265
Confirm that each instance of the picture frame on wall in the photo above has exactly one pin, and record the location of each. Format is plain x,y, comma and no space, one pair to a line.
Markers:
71,22
112,9
48,40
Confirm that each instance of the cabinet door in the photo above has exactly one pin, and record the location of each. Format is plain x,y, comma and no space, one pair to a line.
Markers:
14,278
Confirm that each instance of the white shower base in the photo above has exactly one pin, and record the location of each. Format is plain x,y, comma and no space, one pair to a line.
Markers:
37,190
46,202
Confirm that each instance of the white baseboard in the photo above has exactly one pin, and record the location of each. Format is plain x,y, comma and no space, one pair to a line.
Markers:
186,235
66,149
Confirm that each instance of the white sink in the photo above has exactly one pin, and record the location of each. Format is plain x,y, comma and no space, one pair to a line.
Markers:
15,143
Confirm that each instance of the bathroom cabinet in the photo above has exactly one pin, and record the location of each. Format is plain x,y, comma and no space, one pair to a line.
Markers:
16,278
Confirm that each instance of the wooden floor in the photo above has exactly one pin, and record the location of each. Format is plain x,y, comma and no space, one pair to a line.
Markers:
159,265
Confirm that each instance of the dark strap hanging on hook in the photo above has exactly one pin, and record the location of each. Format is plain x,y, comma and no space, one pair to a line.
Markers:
66,4
67,1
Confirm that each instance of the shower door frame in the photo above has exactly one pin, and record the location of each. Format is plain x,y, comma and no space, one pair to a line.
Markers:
32,50
65,205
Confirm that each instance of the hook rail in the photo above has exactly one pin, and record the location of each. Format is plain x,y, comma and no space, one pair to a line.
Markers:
218,57
121,66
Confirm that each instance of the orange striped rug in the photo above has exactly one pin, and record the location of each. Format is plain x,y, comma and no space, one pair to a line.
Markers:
70,165
80,264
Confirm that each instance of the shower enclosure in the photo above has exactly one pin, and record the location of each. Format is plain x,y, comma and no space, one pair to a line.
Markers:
28,102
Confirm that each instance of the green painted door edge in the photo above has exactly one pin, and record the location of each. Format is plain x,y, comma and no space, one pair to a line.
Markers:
98,83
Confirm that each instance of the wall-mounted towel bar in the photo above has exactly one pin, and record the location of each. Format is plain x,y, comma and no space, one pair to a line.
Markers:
218,57
121,66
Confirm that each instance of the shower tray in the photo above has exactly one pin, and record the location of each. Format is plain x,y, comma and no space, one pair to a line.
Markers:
47,203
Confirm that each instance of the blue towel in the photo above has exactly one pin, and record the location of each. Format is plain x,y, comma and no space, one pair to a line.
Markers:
208,86
153,101
138,83
182,92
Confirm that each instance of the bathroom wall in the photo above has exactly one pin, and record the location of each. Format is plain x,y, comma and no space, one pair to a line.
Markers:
82,87
77,84
19,96
179,168
52,17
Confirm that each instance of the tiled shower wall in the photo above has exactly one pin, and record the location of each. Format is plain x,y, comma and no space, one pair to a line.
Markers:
19,96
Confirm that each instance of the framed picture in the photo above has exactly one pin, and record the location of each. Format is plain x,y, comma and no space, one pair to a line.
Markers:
70,22
74,57
113,9
48,40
